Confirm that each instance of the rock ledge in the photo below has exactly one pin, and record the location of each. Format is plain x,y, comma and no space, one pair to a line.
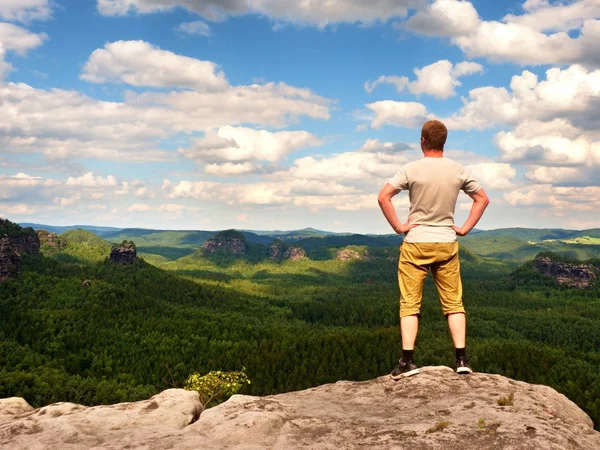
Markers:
432,410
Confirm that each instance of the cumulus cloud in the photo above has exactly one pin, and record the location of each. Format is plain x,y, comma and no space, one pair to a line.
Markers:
17,209
244,144
572,93
139,63
438,79
19,39
138,207
376,146
64,124
196,28
537,37
493,175
5,67
557,199
400,83
25,10
311,12
551,147
543,16
89,180
400,114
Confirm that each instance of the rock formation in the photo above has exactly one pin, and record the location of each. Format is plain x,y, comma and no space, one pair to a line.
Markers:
22,240
124,254
10,261
434,410
346,254
294,253
233,245
50,240
579,276
276,250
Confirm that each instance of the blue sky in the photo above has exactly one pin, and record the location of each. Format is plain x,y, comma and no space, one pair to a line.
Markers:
281,115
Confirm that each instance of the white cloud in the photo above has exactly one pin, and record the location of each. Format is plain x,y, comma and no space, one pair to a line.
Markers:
400,114
554,175
25,10
21,185
89,180
18,209
138,207
172,208
196,28
376,146
560,16
309,12
493,175
139,63
5,67
521,39
399,82
572,93
438,79
558,200
244,144
533,144
66,124
231,168
19,39
445,18
68,201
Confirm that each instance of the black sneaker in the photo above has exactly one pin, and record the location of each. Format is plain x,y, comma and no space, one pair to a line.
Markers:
463,367
404,370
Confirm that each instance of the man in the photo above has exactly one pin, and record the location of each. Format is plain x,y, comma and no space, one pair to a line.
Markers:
433,185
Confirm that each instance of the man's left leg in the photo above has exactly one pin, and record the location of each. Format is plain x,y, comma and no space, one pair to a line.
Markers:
446,274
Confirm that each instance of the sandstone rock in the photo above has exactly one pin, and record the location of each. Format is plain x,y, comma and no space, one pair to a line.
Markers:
29,243
294,253
10,407
50,240
10,260
235,246
68,426
434,410
578,276
124,254
350,254
276,250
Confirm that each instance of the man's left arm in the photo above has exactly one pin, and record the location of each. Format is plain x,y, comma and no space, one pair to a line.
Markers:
387,207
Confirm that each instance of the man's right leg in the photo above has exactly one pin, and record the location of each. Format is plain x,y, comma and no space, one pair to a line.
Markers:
411,277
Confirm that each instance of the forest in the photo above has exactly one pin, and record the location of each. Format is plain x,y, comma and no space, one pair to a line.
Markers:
135,330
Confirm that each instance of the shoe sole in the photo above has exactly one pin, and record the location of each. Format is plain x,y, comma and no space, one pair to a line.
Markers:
463,371
406,374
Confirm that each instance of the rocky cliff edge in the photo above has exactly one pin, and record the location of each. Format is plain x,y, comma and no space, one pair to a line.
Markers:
435,409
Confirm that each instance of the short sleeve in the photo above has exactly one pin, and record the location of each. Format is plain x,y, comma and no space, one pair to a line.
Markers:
470,185
400,180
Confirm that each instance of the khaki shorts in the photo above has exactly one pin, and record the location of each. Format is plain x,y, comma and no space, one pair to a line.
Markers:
415,261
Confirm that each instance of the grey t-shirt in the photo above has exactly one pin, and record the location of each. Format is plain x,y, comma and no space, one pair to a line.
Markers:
433,185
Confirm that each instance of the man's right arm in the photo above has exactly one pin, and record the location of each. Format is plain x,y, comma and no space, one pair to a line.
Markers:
480,202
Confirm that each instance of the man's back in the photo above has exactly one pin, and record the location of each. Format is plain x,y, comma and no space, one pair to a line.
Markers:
433,185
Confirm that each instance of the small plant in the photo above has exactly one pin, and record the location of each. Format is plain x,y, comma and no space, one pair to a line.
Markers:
440,426
507,401
217,385
488,428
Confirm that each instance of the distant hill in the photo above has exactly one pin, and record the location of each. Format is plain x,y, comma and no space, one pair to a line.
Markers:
100,231
523,244
83,246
